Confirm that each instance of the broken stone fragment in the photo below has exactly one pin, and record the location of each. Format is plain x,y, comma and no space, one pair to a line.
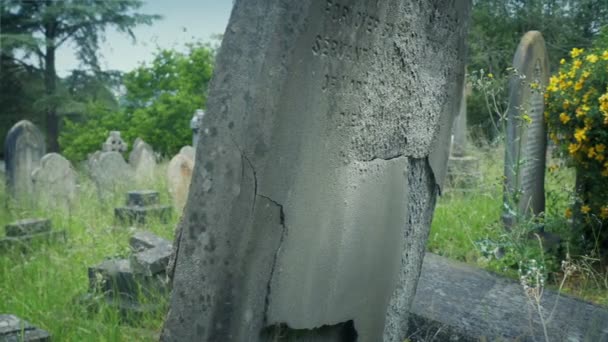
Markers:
12,328
151,261
27,227
145,240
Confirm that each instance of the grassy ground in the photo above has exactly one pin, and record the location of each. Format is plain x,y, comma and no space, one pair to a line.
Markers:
42,286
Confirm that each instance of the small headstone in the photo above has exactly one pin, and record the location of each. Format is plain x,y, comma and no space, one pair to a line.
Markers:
141,206
143,161
55,182
525,153
23,233
152,261
24,146
179,176
14,329
110,171
114,142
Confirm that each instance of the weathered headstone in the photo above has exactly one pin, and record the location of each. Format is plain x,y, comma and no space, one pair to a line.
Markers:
142,206
110,172
326,138
179,176
14,329
55,182
24,146
114,142
188,151
143,161
21,234
525,152
457,302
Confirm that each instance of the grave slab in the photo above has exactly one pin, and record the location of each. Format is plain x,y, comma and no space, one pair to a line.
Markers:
14,329
142,198
458,302
151,261
27,227
141,215
145,240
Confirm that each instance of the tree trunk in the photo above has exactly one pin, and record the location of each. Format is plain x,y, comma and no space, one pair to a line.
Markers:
50,80
324,143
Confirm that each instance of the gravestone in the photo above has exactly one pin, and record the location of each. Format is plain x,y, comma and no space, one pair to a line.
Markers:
525,152
143,161
24,146
179,175
14,329
110,172
23,233
326,138
114,142
188,151
142,206
55,182
458,302
134,284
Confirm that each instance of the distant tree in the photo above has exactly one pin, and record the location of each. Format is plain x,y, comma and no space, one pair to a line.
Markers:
159,101
32,31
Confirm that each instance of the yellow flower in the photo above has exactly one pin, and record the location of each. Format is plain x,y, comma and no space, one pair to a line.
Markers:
600,157
592,58
534,85
591,153
580,134
605,173
579,85
605,55
553,168
553,137
563,61
585,74
564,118
585,209
576,52
600,148
566,104
572,148
490,75
568,213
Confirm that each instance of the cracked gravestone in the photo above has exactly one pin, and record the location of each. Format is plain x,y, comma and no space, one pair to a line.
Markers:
55,182
14,329
179,176
326,139
143,161
526,145
24,146
23,233
142,205
135,284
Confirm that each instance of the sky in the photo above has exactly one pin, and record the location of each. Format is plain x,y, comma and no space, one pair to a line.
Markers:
183,21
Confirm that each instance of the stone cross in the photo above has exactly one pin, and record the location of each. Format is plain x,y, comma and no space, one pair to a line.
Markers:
23,148
326,138
525,152
114,143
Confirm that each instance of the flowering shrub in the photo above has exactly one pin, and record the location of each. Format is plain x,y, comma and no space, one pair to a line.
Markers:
577,118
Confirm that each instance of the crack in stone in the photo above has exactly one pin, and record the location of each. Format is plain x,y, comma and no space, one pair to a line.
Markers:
386,158
276,255
255,176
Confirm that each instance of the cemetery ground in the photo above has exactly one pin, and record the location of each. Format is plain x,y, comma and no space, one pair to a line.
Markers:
43,286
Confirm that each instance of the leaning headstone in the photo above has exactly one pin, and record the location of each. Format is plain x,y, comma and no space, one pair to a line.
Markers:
142,205
114,142
179,176
458,302
14,329
325,138
55,182
24,146
23,233
110,172
143,161
525,152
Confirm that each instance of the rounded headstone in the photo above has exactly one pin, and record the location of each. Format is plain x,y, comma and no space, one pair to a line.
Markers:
55,182
143,161
188,151
110,172
179,175
23,148
525,152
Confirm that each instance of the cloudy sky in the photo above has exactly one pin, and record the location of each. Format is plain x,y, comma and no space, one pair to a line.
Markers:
183,21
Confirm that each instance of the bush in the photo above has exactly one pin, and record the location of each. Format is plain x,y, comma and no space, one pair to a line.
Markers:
577,117
159,102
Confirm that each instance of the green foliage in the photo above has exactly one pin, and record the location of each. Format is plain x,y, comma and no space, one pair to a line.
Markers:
158,104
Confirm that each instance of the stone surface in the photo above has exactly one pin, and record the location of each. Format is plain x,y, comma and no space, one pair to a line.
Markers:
141,215
55,182
188,151
143,240
179,176
25,242
526,143
459,143
24,146
151,261
110,172
142,198
326,138
27,227
143,161
114,143
457,302
14,329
